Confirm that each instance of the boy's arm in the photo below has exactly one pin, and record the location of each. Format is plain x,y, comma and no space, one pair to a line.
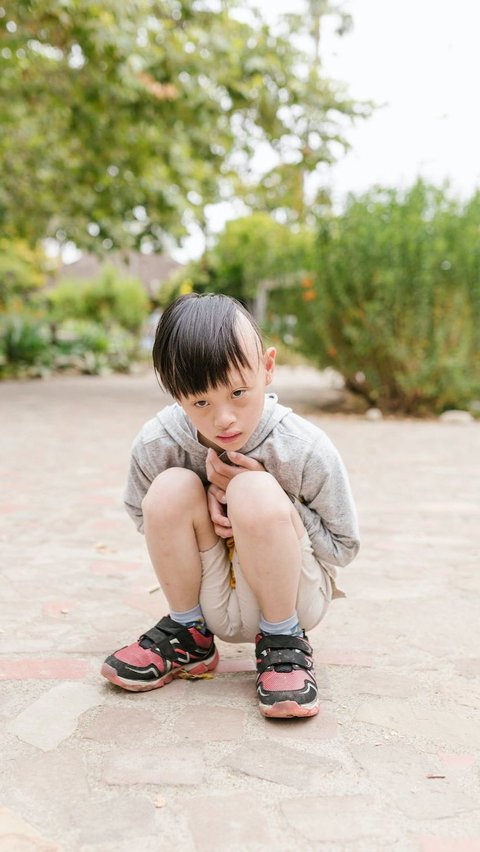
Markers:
327,508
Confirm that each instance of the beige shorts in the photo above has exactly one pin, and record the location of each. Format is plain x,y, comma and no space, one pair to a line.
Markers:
233,614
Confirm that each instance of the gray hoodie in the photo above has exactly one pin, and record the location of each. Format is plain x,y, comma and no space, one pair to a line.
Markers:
297,453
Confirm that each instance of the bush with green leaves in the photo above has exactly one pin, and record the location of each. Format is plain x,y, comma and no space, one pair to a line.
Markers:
25,343
110,299
396,301
253,256
31,346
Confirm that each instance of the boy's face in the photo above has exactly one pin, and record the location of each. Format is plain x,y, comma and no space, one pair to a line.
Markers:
226,416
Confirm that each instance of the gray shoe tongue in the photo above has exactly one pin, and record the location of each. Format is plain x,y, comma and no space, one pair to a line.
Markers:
284,667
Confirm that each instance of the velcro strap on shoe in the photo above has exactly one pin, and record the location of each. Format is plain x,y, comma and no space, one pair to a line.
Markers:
280,657
269,642
155,635
162,634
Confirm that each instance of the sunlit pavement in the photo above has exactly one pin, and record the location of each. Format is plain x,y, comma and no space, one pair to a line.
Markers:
392,760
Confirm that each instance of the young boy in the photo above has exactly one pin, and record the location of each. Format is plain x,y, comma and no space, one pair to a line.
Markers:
245,507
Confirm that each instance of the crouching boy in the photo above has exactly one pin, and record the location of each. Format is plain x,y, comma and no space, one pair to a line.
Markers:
245,507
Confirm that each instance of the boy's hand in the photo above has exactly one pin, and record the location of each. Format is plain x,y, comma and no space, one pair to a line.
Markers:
218,512
220,474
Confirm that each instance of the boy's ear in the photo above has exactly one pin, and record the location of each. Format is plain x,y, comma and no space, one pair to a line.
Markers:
269,357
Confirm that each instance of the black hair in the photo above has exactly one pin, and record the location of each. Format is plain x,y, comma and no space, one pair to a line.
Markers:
198,341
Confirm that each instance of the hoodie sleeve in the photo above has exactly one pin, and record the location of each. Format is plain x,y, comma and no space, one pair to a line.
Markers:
138,483
326,505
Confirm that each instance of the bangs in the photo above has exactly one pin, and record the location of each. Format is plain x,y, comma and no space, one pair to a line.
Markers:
199,341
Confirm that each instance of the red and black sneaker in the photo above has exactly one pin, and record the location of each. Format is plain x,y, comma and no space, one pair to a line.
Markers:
286,684
161,654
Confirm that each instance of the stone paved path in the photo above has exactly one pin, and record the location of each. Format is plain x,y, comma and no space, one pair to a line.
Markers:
392,760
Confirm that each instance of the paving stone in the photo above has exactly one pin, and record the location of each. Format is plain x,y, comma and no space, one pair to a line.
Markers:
11,508
58,609
332,818
404,776
438,726
159,842
177,691
457,762
16,835
228,824
323,726
204,723
113,568
236,687
229,665
36,781
46,669
54,716
281,764
123,816
339,658
468,668
118,725
382,683
149,604
178,765
439,844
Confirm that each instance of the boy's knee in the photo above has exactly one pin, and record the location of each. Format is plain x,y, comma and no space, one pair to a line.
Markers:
171,490
255,497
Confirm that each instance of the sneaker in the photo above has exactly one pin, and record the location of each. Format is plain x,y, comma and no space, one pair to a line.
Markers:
161,654
286,683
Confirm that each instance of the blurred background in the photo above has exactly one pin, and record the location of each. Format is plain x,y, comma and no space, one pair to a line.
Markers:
317,160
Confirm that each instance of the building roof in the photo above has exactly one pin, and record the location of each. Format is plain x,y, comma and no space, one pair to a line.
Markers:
151,269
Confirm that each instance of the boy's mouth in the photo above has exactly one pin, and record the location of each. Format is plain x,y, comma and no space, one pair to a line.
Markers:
228,438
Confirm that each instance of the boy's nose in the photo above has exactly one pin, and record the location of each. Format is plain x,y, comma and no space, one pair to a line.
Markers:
224,419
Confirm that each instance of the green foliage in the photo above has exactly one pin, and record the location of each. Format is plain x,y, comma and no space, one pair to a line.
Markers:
24,342
121,121
396,305
22,270
108,299
91,348
251,254
30,346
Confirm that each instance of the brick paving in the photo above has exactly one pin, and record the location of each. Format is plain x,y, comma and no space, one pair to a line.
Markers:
392,760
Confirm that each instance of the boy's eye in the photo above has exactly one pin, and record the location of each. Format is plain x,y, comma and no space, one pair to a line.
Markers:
201,403
238,393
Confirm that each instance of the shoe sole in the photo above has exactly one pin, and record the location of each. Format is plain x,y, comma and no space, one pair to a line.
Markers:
202,667
288,710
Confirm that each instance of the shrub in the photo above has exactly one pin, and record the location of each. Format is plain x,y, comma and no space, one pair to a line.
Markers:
110,299
253,256
25,342
396,304
29,346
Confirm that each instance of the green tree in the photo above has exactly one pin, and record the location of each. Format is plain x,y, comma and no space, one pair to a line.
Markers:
121,121
318,132
253,256
23,271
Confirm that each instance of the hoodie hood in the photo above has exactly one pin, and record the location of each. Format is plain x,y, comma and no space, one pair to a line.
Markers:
178,426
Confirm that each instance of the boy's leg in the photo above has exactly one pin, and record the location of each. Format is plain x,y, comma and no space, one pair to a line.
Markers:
267,531
177,527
